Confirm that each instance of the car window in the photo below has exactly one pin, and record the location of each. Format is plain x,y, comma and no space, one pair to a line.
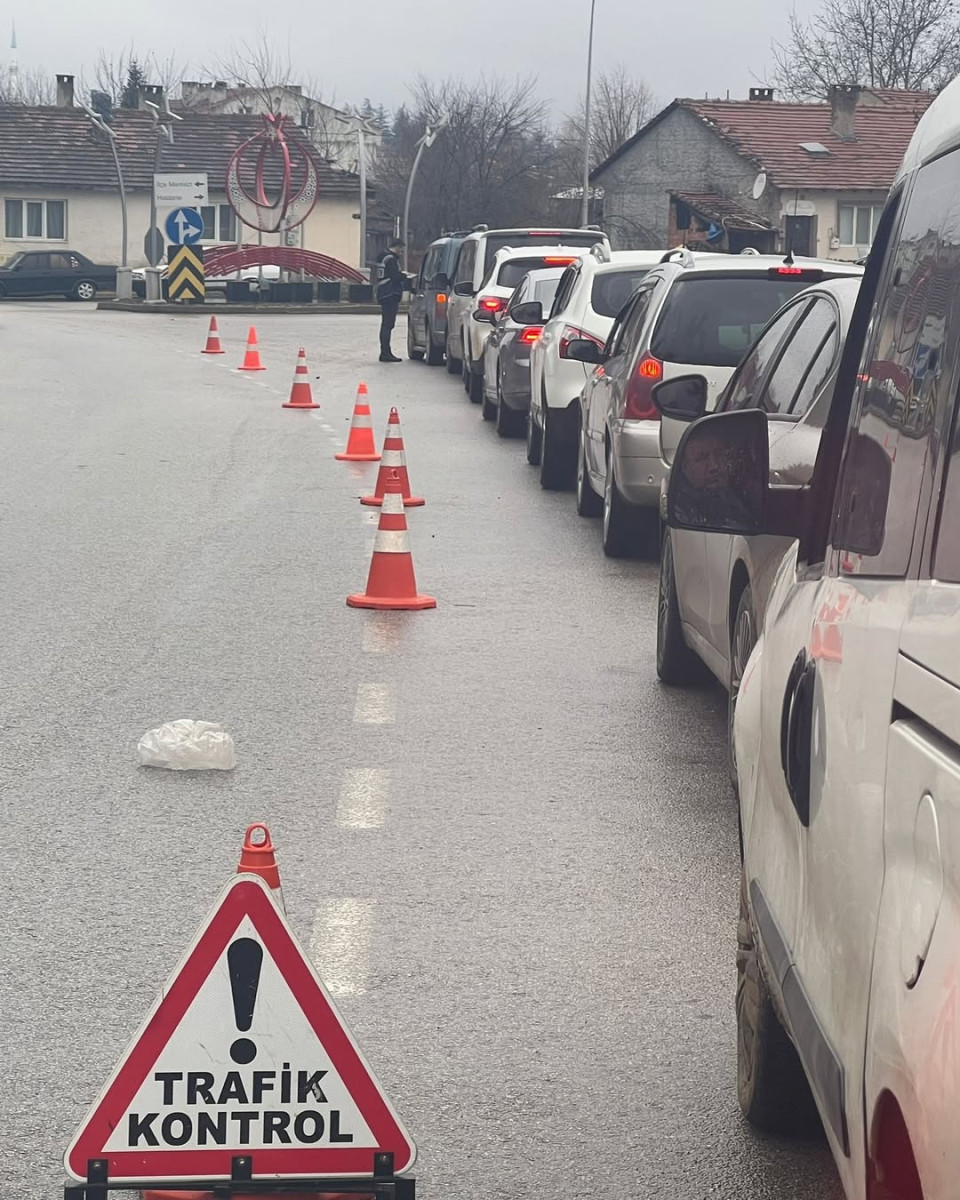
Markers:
545,290
612,289
815,332
61,262
568,282
496,242
907,381
711,320
466,262
632,324
821,368
742,389
515,269
36,262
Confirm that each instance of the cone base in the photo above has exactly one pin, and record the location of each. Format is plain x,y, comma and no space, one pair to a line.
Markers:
377,501
299,405
213,351
413,603
251,368
357,457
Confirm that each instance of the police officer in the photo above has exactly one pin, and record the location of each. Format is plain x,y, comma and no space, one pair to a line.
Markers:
393,284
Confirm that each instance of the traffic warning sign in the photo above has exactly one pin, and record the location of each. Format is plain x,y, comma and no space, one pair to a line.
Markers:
244,1053
185,273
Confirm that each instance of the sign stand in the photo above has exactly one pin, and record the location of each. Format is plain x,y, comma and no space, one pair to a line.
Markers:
383,1184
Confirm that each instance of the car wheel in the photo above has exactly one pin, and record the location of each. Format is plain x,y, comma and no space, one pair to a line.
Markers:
772,1089
556,460
475,386
412,351
3,292
489,410
677,664
454,365
465,373
534,440
434,352
742,641
589,504
86,289
509,421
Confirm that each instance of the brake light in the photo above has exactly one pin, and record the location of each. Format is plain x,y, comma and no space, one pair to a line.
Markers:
441,298
531,333
638,399
789,270
492,303
553,260
570,333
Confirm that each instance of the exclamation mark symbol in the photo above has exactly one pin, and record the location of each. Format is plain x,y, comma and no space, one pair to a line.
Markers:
244,958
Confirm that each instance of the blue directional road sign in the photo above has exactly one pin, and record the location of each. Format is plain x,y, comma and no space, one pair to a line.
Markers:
184,227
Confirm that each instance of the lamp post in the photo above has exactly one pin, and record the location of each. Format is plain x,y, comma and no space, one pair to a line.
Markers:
163,119
362,172
429,137
104,128
585,200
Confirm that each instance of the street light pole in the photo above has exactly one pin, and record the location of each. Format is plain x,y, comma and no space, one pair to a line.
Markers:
362,160
585,200
104,128
429,137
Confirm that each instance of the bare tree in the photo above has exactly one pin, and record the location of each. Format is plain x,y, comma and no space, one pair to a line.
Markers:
28,88
621,104
114,75
911,44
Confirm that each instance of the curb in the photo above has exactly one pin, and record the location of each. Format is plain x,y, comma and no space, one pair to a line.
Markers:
261,310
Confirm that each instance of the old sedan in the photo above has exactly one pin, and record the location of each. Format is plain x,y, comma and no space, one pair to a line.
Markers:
55,273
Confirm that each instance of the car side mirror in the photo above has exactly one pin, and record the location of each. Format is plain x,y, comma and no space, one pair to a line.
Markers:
683,398
585,351
484,315
867,472
719,481
528,313
463,289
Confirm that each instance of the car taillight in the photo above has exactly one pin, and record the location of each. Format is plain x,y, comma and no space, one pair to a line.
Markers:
441,298
638,399
554,260
531,333
492,303
570,333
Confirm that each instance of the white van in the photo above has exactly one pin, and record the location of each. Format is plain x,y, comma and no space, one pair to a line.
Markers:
847,729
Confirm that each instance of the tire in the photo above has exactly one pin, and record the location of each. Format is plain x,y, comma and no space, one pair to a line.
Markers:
620,526
534,440
742,641
3,292
488,410
677,665
434,353
454,365
589,504
412,351
475,387
465,374
556,461
772,1089
85,290
510,423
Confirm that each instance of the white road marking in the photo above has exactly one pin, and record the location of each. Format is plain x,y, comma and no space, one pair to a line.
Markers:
376,704
380,636
363,799
340,944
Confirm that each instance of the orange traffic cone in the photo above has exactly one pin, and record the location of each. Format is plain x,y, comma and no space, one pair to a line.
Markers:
301,394
213,339
394,459
360,444
257,858
251,360
391,582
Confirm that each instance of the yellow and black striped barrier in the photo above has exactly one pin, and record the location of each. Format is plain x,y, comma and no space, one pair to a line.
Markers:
185,273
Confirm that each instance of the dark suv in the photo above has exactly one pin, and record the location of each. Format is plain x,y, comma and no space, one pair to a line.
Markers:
427,318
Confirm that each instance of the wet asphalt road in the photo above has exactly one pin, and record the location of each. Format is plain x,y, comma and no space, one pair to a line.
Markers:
511,852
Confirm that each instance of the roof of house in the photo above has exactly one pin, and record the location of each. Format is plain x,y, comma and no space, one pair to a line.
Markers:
722,210
769,133
59,148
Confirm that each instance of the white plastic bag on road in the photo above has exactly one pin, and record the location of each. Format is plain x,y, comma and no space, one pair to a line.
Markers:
188,746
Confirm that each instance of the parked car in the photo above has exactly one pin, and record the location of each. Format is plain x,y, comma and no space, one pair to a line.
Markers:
592,292
427,316
506,271
473,267
847,727
506,355
714,587
693,313
258,276
55,273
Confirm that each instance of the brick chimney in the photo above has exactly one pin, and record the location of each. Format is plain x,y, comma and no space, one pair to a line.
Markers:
152,92
844,98
759,93
64,91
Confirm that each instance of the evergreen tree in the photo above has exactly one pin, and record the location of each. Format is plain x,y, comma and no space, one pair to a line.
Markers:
136,79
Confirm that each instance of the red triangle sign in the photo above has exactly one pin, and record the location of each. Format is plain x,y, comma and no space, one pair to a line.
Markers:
243,1054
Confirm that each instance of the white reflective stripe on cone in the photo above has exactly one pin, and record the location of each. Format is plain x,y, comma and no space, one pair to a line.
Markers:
393,430
392,503
392,541
362,422
393,458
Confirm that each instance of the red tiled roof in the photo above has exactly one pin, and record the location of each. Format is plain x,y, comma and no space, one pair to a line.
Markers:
768,134
59,148
722,208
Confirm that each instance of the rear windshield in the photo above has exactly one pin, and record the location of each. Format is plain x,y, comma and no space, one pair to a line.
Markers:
495,242
712,320
613,289
512,273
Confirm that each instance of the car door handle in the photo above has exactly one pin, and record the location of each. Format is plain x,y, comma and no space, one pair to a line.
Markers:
796,731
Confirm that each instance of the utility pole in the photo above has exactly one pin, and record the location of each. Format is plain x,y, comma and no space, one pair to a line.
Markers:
585,200
111,137
429,137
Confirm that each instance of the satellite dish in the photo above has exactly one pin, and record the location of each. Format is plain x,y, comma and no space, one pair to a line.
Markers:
759,185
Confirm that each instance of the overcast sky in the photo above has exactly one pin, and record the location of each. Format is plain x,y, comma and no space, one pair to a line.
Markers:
359,48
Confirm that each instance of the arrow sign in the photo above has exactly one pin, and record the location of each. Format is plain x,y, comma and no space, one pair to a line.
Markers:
242,1054
184,227
180,188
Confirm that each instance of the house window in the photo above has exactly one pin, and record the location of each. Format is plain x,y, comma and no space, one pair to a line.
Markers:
44,220
219,223
858,223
